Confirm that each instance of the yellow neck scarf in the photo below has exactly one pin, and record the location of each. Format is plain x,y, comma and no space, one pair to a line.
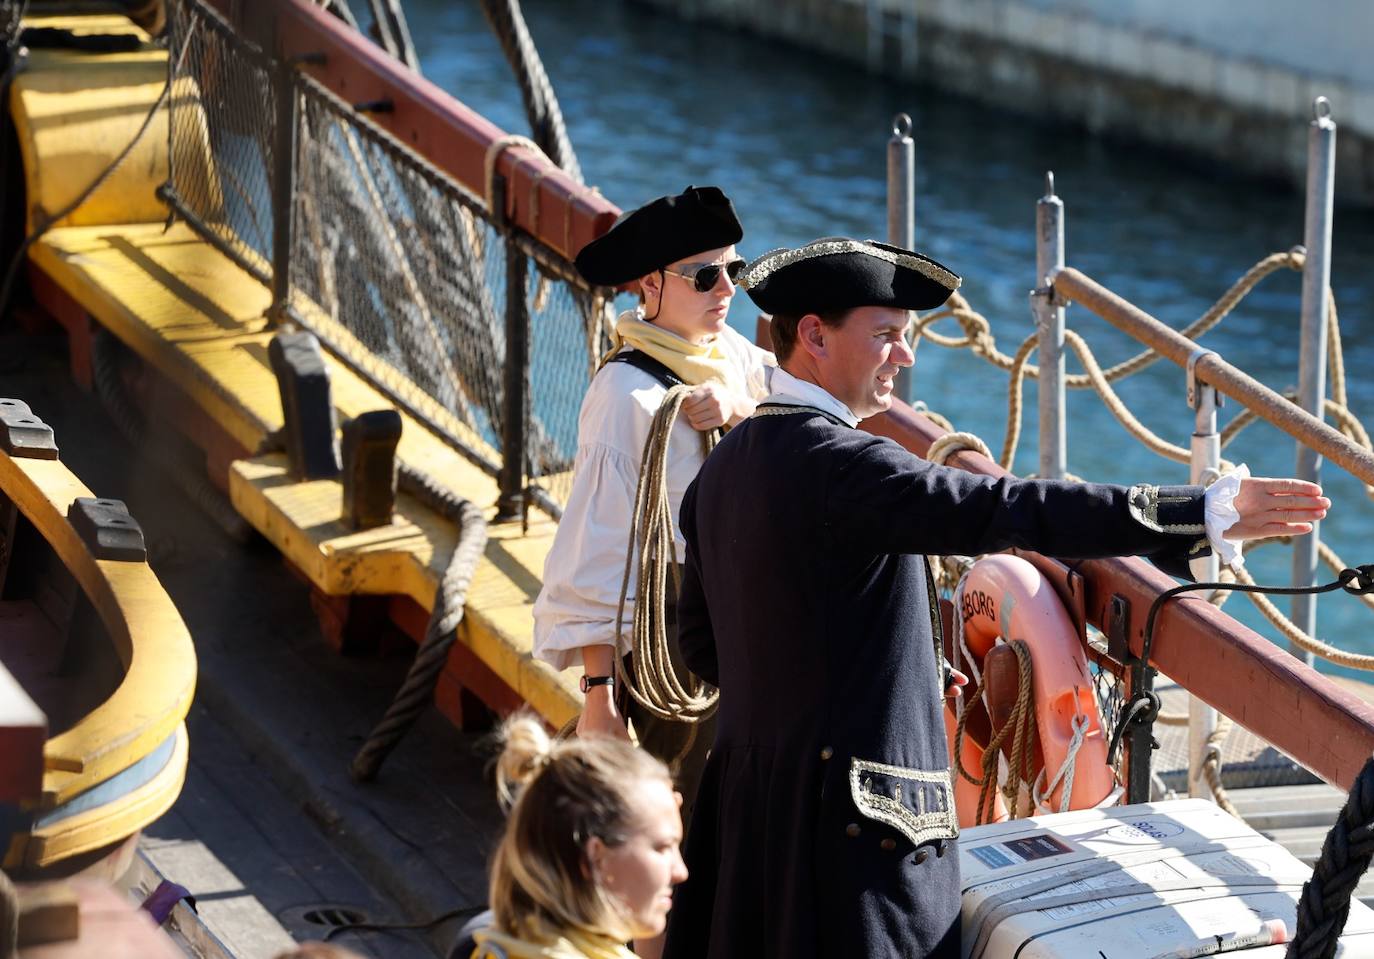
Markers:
571,945
692,363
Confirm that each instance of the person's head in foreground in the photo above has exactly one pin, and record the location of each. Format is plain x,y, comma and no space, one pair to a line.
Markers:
590,852
841,313
681,252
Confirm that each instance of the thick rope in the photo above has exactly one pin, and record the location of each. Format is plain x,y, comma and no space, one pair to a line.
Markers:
946,446
1346,854
541,103
1023,730
978,338
655,684
450,599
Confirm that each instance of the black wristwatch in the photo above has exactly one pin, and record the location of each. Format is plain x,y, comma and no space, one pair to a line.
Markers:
589,681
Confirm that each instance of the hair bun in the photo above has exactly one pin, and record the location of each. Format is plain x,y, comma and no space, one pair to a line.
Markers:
525,750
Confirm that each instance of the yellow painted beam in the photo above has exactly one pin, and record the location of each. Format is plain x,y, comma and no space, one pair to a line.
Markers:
144,627
116,820
407,557
74,112
197,318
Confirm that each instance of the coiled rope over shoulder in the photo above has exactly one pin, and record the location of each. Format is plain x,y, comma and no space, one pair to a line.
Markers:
1346,854
655,684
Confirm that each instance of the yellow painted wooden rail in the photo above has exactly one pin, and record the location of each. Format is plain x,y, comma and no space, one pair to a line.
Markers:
143,626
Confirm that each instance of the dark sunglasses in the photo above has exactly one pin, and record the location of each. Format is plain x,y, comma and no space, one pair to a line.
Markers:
705,277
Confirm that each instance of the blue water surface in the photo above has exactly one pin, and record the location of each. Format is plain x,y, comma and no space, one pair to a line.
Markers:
798,140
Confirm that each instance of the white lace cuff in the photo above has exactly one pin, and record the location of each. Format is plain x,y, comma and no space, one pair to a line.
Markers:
1221,515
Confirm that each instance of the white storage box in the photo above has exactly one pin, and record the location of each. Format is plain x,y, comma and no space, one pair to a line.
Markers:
1168,879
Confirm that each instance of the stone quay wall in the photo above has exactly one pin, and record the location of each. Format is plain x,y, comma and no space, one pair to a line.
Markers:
1231,81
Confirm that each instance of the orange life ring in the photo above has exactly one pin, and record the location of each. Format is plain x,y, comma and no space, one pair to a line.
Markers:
1004,598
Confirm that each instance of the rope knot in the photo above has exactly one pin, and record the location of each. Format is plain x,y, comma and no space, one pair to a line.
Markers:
1359,581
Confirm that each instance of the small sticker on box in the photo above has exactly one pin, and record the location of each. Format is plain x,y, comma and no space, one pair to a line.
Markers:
991,856
1037,847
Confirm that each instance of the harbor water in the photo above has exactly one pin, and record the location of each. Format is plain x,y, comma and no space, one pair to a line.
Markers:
798,141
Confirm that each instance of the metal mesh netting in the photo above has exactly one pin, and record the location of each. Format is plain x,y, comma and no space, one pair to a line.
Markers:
220,131
567,341
397,268
400,261
404,275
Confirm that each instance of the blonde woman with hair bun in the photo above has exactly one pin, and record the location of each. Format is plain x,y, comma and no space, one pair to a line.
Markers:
590,854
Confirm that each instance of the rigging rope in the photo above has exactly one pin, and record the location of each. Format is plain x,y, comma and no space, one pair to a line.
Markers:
1346,853
450,601
541,103
655,684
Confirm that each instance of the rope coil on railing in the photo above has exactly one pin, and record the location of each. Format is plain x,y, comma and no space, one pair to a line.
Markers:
979,339
654,682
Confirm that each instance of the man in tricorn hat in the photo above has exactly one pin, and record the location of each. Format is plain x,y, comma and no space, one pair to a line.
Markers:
680,252
825,820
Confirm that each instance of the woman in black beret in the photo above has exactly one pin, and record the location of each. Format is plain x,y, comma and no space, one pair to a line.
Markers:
680,253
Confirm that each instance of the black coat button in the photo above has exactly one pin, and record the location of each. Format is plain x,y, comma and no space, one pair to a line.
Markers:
852,830
922,855
888,844
827,752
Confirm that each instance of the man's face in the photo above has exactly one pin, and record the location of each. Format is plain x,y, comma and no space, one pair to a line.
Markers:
861,357
683,309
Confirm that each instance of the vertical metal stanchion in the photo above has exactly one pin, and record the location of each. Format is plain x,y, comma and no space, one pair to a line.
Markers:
283,188
510,503
1316,302
1204,464
901,210
1049,323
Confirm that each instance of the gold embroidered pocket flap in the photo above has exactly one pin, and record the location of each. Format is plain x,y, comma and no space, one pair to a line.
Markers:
917,803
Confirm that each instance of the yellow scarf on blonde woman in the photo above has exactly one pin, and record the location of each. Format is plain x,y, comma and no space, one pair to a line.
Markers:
571,945
692,363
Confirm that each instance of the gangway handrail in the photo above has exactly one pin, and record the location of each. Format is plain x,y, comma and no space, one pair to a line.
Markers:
1325,727
1072,284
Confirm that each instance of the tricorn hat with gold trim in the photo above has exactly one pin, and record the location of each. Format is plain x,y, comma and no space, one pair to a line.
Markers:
838,273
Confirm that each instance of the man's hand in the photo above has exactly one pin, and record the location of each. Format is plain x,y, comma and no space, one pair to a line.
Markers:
955,687
600,717
711,405
1276,507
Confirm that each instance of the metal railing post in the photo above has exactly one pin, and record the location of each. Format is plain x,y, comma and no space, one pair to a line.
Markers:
1203,468
1316,302
283,188
516,376
1049,323
901,210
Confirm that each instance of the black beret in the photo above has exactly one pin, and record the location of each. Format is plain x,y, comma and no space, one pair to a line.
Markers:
838,273
660,232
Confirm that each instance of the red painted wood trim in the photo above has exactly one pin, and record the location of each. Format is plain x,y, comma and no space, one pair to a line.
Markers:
431,122
1226,664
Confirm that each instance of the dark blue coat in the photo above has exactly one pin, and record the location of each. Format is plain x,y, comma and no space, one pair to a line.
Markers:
825,822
